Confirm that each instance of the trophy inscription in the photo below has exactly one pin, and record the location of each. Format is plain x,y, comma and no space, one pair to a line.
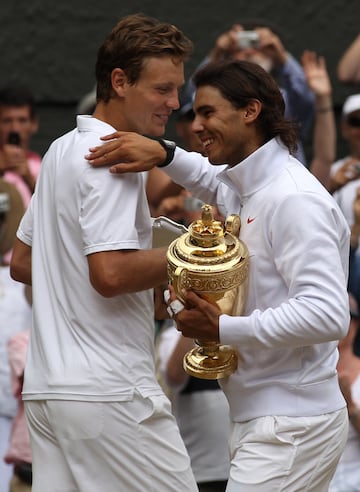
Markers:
210,260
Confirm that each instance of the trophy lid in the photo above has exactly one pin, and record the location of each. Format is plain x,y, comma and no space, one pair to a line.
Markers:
206,232
208,242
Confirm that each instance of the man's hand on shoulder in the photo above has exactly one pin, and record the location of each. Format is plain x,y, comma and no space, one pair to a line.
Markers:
127,152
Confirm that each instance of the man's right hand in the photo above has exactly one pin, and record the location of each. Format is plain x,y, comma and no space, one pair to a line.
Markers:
127,152
13,158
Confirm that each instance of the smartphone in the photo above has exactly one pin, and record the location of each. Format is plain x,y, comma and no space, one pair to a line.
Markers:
14,138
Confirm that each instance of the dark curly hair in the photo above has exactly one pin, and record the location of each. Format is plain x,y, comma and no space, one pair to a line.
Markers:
241,81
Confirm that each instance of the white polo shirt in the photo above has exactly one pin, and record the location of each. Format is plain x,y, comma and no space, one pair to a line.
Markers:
84,346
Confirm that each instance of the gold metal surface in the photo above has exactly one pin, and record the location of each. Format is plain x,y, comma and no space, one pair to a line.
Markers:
210,260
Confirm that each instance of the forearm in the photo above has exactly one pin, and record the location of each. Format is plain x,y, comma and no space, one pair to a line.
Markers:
314,309
121,272
348,68
324,148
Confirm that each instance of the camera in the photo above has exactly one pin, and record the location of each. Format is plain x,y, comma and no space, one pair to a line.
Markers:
248,39
4,203
14,138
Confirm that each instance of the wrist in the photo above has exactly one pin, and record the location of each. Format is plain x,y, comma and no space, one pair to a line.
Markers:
169,146
324,109
323,103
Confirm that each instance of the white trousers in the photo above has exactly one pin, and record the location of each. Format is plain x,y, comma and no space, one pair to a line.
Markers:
292,454
130,446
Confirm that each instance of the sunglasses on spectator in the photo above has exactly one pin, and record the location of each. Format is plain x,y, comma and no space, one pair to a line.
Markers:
353,121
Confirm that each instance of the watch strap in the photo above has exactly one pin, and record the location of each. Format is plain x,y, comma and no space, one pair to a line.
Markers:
169,147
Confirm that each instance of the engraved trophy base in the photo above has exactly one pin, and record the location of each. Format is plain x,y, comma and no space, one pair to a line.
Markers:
220,364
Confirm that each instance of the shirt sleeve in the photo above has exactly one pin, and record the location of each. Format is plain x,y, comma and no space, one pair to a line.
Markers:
195,173
311,257
109,210
25,229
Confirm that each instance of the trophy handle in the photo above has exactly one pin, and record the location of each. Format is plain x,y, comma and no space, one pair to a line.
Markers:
178,280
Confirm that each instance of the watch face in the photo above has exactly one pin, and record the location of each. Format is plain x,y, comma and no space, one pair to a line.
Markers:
169,143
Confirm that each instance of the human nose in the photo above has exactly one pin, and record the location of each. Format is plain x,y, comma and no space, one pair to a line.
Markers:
15,127
173,101
197,125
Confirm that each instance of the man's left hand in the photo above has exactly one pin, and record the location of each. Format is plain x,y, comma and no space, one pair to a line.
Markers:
199,319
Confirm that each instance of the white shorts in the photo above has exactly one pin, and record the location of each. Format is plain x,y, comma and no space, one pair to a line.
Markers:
114,447
292,454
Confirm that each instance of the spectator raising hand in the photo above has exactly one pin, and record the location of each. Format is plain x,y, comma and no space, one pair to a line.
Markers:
324,139
317,76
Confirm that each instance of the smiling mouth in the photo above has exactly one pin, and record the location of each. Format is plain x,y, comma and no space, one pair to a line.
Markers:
206,143
163,117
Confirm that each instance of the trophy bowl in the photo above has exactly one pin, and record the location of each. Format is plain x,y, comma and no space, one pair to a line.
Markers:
211,260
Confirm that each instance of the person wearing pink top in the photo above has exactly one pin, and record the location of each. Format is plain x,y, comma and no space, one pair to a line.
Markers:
18,123
19,451
19,165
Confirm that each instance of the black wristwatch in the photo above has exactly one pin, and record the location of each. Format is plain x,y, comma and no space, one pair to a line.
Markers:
170,147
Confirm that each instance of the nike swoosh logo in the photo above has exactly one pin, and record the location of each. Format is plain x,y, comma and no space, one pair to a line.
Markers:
250,220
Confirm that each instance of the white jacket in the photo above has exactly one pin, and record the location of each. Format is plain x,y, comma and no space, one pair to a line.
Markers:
297,306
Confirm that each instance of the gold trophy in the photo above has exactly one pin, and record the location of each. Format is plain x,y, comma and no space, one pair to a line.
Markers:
210,260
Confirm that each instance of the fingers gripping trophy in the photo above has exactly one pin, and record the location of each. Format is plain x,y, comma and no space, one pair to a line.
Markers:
210,260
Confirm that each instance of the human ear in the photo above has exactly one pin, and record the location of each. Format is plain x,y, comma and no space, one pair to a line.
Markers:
119,81
252,110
